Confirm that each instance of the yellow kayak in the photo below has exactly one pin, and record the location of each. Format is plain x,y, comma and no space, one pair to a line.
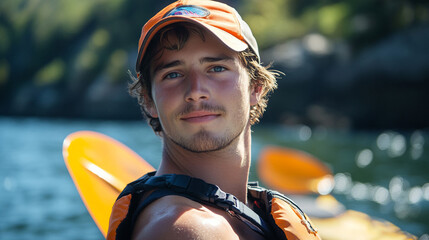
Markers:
100,168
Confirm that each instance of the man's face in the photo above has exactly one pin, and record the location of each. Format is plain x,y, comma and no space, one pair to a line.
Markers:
201,94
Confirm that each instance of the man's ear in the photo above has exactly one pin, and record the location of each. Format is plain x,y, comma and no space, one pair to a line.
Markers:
255,95
149,106
151,109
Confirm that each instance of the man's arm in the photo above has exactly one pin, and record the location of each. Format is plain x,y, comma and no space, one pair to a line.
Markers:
175,217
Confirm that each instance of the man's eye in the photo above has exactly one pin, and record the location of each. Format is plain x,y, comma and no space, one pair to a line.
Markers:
218,69
173,75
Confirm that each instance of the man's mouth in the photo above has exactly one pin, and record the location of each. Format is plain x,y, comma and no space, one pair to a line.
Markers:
199,116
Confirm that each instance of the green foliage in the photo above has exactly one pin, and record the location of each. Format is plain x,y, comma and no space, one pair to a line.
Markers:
116,66
51,73
89,55
271,21
361,22
330,18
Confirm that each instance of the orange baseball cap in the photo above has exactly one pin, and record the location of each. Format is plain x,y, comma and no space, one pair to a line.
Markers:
220,19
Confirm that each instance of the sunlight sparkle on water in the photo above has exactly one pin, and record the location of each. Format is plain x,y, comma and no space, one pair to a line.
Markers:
396,187
325,186
415,195
398,146
364,158
399,191
381,195
343,182
304,133
383,141
394,143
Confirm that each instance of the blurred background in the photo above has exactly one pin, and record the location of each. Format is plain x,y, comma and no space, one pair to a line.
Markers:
354,94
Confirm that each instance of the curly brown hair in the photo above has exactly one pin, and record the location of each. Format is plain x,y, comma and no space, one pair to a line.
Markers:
141,86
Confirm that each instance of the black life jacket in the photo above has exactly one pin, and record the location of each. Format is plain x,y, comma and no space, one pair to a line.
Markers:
274,215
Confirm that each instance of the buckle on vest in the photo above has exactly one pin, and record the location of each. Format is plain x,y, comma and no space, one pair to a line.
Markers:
229,203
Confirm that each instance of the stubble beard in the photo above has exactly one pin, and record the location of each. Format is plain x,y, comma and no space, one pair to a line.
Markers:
204,141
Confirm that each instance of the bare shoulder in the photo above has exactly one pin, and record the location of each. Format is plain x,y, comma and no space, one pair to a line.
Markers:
175,217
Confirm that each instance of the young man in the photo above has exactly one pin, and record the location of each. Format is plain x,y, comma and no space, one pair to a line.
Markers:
201,86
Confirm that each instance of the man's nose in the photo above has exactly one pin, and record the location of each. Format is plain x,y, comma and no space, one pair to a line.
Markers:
197,87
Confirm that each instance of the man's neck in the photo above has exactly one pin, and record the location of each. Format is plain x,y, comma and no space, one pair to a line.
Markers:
227,168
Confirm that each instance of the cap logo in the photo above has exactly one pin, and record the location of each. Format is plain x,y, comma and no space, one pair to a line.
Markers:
188,10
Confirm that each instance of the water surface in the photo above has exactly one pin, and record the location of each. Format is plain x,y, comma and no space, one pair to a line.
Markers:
383,174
